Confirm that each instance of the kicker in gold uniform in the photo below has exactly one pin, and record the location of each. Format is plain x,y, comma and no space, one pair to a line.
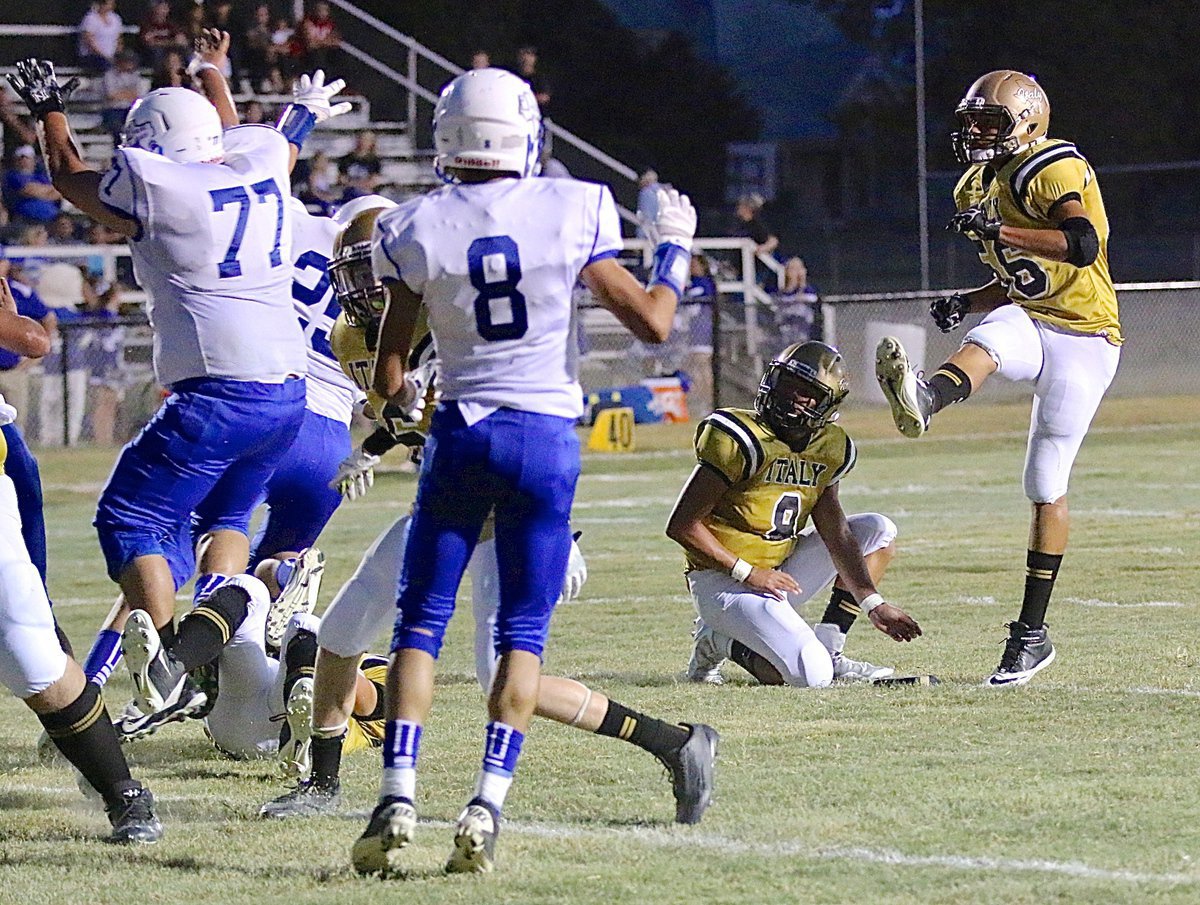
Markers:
742,519
1031,206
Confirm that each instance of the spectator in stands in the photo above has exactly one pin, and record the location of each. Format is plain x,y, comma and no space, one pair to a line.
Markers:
748,222
796,305
103,360
171,72
255,113
481,59
259,48
222,19
647,200
320,36
19,129
158,34
120,87
286,53
194,22
62,230
28,193
315,183
362,166
527,69
696,306
100,36
14,370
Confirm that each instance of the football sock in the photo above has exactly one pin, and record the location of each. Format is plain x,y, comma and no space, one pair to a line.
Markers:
949,384
299,660
1040,571
283,572
326,754
755,664
401,745
85,735
104,656
501,748
649,734
166,634
843,609
207,629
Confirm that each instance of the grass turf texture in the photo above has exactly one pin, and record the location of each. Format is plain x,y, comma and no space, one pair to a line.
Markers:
1079,788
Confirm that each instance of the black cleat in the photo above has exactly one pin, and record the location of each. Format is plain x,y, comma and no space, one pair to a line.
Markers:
311,798
691,769
1026,652
475,840
390,830
132,818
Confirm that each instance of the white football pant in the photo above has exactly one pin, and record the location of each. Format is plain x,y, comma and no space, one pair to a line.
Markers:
1070,373
769,626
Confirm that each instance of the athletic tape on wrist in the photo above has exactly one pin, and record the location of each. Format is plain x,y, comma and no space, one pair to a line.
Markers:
295,123
869,603
671,266
741,570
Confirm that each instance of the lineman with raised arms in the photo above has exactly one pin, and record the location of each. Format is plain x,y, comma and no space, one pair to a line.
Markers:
1032,207
760,475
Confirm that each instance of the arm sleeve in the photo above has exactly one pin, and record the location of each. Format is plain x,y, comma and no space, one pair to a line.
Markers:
719,451
397,255
606,239
1068,176
123,191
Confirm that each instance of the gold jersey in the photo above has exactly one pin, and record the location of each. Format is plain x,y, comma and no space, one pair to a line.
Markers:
354,348
1023,193
772,487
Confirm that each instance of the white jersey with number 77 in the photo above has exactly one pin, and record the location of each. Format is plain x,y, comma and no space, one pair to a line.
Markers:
495,264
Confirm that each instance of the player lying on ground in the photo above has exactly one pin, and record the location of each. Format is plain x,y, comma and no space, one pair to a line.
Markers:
364,608
1032,208
498,295
761,475
33,665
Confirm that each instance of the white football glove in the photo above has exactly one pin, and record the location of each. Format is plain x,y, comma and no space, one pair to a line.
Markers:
312,93
355,474
576,573
676,220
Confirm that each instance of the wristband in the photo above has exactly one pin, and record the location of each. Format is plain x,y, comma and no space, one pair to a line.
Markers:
671,263
195,67
741,570
295,123
870,602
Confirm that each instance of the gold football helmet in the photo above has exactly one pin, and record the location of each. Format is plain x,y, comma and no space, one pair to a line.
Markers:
358,291
814,372
1002,113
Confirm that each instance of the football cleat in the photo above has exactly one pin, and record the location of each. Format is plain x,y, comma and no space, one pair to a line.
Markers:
1026,652
388,833
691,769
163,691
299,595
294,754
133,819
705,663
474,840
311,798
848,670
908,395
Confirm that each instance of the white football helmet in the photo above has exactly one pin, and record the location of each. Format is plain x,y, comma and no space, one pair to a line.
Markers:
177,123
356,206
487,119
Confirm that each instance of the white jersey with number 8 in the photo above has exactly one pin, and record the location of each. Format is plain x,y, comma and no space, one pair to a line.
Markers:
495,264
213,252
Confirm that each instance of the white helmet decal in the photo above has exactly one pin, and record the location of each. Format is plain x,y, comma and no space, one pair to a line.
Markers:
177,123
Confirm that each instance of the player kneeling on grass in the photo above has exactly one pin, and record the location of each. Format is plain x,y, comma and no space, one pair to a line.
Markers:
761,475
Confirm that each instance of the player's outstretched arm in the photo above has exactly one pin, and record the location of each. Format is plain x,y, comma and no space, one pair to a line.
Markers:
20,334
686,527
312,104
648,313
37,85
830,521
207,67
395,344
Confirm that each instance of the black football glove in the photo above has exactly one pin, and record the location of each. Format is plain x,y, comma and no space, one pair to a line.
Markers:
974,223
948,312
37,85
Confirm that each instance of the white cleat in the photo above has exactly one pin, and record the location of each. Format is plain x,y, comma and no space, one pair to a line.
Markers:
295,754
907,394
704,667
379,849
474,841
140,646
847,670
299,595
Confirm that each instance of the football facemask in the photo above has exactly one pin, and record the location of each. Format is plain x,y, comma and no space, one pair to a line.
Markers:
801,390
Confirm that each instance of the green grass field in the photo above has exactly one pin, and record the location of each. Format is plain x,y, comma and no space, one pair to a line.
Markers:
1079,788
